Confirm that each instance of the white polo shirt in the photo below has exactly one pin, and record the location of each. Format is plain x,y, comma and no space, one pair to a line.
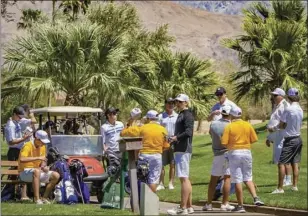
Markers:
276,115
111,134
293,117
168,121
219,106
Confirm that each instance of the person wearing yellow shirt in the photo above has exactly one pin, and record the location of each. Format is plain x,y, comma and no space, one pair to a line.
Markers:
154,142
238,137
32,166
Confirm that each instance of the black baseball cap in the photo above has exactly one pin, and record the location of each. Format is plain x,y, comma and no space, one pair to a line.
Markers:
169,100
19,111
220,90
112,110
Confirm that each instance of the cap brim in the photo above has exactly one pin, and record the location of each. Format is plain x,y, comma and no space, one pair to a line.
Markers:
274,93
179,99
45,141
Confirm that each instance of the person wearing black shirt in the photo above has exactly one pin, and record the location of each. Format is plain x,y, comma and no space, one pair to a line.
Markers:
182,138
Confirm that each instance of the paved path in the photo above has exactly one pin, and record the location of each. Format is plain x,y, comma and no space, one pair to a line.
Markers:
164,206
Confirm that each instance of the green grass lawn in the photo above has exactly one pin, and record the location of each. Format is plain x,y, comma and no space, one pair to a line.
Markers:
57,209
265,175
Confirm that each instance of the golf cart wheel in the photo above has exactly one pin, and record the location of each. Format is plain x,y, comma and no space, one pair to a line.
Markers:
99,195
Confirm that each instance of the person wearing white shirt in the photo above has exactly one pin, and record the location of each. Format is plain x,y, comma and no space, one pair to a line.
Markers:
221,94
110,132
168,119
276,134
291,121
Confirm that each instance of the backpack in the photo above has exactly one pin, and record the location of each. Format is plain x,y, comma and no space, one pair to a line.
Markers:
53,155
64,190
111,191
8,191
78,172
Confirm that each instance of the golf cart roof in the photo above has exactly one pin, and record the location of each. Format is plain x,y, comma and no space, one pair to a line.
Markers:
63,110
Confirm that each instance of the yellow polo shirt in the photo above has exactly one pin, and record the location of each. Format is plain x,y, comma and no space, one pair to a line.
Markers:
29,150
153,134
238,134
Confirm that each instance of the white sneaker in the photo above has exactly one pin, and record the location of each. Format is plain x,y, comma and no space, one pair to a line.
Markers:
39,202
171,187
226,207
45,201
190,210
177,211
207,207
294,188
277,191
160,187
287,183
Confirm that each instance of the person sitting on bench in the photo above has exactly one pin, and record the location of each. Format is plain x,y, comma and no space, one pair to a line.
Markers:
32,166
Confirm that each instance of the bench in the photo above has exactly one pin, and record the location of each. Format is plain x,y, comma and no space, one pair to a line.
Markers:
12,171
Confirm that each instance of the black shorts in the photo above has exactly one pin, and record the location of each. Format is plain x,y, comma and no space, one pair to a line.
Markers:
291,150
168,157
13,154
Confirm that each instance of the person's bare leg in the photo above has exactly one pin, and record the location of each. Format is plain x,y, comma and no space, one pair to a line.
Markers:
239,193
226,190
162,176
189,202
185,191
171,173
24,192
211,188
295,174
251,187
54,178
282,173
36,184
153,187
288,169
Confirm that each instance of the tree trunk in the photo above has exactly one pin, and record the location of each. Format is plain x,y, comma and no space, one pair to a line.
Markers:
199,127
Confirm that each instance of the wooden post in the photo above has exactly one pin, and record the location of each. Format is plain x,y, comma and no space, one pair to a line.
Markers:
130,145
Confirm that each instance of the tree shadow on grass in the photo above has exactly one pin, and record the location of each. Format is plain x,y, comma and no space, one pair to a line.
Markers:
200,183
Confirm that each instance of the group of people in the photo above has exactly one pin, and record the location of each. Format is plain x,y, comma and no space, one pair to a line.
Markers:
167,140
28,147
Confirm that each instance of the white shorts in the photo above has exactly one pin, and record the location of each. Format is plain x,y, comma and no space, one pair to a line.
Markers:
220,166
182,161
155,167
27,175
240,162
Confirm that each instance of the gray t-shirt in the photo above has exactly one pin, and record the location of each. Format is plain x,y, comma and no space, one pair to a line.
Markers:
216,130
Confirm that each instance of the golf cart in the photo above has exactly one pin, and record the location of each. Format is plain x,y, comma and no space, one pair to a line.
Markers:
75,144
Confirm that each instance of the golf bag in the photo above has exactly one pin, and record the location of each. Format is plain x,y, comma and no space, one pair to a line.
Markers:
142,176
53,155
111,188
64,191
78,172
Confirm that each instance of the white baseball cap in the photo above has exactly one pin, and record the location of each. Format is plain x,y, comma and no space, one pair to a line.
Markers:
152,114
236,111
135,112
278,91
225,110
42,135
292,92
182,97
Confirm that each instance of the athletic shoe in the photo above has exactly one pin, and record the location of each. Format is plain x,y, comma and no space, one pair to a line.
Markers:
257,201
39,202
45,201
277,191
239,209
160,187
294,188
226,207
171,187
177,211
287,183
207,207
190,210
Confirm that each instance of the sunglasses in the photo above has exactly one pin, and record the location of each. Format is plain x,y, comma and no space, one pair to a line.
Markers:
219,94
177,101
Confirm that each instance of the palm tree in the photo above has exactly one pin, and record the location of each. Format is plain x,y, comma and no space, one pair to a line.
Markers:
29,17
74,7
273,51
